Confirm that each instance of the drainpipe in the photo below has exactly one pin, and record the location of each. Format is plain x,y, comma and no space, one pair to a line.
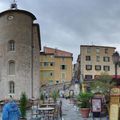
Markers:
32,47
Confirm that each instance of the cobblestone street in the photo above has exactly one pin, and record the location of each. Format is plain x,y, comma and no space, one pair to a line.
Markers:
71,112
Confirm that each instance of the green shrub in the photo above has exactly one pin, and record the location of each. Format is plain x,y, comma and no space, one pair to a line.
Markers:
23,104
42,96
55,95
84,100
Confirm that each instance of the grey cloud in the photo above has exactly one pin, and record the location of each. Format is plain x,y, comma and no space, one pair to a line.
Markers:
66,24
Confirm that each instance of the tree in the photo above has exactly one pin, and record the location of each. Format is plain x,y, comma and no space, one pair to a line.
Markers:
102,84
23,104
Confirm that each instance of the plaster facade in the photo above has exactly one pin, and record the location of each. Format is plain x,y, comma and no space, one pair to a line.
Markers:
55,66
17,25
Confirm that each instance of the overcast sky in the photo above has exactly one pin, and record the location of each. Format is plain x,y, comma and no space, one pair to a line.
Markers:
67,24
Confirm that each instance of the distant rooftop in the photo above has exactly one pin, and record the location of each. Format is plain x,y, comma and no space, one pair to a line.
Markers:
97,46
57,52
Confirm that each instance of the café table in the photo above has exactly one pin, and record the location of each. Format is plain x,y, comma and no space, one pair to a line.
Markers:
47,112
46,108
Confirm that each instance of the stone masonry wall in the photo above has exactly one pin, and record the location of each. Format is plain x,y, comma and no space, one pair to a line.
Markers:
18,29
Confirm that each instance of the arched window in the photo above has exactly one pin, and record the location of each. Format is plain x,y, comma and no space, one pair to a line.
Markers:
11,67
11,87
11,45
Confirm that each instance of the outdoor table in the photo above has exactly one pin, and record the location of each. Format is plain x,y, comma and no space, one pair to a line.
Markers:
46,112
45,108
47,105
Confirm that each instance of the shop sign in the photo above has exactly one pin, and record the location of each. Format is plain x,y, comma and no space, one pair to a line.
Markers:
96,105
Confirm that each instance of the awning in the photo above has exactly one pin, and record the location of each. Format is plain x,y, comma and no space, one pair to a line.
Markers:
114,76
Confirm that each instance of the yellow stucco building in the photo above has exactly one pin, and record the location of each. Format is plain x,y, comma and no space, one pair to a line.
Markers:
95,60
55,66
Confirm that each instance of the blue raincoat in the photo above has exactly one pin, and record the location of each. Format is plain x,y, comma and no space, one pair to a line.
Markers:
10,111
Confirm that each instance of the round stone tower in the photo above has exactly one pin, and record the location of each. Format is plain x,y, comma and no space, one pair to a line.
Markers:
19,54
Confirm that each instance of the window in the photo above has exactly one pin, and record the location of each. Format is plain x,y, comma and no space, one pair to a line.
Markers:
11,45
51,64
63,59
88,50
11,67
88,77
106,50
50,82
97,67
63,76
11,87
51,74
40,63
51,56
45,74
96,76
106,59
106,68
63,67
57,82
88,58
46,64
98,58
97,50
88,67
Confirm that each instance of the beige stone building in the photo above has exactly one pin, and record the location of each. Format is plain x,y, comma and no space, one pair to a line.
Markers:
94,60
55,66
19,53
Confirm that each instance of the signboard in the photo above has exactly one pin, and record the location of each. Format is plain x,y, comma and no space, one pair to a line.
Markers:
114,108
96,105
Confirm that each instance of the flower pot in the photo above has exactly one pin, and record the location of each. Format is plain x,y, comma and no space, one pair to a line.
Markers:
85,112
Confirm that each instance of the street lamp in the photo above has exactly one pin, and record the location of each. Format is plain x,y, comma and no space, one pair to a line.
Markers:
115,58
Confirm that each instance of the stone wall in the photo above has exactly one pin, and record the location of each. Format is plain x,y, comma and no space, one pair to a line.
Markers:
19,29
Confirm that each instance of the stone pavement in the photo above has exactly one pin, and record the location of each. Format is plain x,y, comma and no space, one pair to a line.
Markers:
71,112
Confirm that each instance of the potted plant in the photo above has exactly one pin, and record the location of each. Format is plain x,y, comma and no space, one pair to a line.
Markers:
84,103
42,98
23,105
55,95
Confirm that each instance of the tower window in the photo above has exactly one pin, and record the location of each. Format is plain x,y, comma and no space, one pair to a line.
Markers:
11,45
11,67
11,87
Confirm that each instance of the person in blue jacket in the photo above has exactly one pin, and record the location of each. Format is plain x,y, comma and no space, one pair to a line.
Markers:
11,111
